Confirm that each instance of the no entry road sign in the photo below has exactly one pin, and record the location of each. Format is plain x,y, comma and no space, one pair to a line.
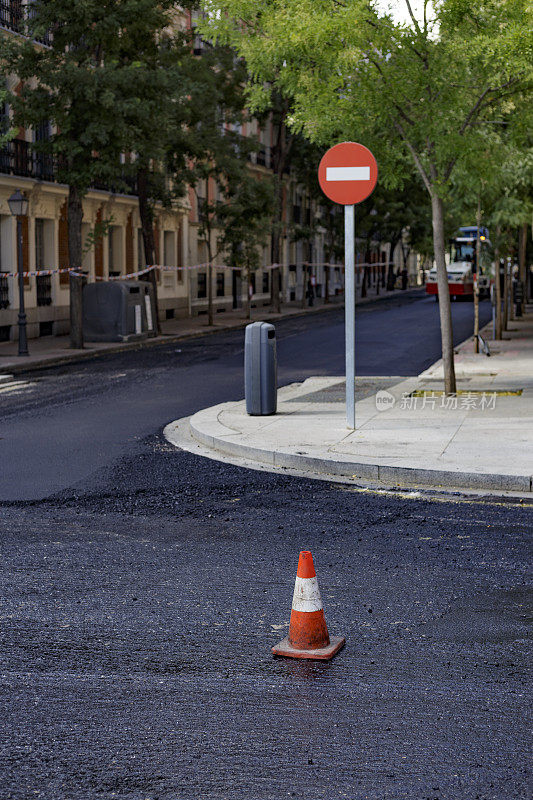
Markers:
348,173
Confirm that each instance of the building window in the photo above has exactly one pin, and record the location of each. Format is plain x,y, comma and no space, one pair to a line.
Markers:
252,282
179,261
114,250
220,284
201,194
292,276
43,282
202,285
39,244
4,266
266,282
169,249
43,162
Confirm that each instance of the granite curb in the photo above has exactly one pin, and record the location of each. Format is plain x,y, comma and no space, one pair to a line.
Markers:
214,435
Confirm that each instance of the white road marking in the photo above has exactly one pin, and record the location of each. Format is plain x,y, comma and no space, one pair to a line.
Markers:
14,386
347,173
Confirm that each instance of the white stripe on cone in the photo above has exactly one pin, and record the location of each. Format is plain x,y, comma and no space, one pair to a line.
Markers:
306,595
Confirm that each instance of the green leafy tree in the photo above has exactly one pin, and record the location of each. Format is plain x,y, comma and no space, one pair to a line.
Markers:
403,217
153,53
206,148
245,220
81,86
78,85
323,217
414,93
7,132
281,156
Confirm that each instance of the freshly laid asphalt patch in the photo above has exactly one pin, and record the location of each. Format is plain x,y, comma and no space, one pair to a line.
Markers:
78,418
138,612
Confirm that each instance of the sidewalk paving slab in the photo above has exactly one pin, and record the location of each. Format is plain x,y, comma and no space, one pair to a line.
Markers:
486,442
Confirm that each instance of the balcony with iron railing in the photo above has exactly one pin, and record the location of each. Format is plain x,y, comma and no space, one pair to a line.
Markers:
17,157
14,15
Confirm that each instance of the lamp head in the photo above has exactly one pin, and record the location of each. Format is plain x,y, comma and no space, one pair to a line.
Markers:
18,204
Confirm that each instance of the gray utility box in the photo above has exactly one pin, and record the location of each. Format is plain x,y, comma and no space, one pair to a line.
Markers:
260,369
118,311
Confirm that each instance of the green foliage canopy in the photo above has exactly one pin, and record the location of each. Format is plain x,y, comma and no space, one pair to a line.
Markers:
410,92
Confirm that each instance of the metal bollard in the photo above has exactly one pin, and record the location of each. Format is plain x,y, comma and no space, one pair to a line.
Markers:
260,369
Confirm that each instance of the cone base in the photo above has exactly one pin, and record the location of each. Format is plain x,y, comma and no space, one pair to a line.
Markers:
285,648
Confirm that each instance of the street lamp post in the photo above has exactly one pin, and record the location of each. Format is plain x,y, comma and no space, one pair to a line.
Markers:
18,205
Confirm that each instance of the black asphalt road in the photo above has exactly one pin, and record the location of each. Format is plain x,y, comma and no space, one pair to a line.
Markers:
140,602
78,418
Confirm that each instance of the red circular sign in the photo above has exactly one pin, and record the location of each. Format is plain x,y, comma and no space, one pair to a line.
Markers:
348,173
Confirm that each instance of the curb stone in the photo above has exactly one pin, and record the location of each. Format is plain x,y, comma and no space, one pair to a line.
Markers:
405,476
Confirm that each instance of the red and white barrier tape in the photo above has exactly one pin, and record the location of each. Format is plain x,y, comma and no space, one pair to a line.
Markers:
166,268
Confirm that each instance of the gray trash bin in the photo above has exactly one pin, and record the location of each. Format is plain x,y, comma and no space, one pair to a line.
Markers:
260,369
118,311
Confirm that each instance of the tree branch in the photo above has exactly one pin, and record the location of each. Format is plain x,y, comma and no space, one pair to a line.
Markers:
415,21
473,111
416,157
398,108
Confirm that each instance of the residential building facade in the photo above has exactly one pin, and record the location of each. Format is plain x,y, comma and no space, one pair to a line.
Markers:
182,290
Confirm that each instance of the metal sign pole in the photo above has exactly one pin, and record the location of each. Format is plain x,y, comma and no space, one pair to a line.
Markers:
347,175
349,306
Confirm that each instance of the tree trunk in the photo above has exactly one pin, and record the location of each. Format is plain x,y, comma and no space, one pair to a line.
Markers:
248,307
326,285
280,156
505,320
304,284
522,242
363,284
476,278
391,277
75,217
147,228
497,285
275,289
210,318
510,312
275,299
445,309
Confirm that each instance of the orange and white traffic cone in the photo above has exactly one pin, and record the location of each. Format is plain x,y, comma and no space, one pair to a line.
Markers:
308,633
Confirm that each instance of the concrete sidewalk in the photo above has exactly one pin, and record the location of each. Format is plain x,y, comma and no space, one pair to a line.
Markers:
407,434
49,350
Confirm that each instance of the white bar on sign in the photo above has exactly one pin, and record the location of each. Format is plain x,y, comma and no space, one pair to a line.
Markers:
347,173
